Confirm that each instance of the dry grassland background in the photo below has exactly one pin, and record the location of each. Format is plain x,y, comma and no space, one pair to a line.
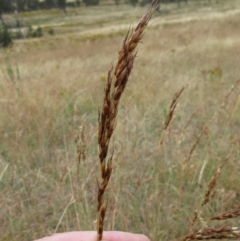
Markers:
51,86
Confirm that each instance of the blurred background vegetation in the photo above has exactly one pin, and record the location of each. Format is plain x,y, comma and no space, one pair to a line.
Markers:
14,24
52,78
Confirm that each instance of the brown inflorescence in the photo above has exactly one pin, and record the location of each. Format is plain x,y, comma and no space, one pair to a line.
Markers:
233,213
107,116
222,232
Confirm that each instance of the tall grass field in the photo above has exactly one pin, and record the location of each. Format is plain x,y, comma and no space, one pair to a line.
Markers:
178,121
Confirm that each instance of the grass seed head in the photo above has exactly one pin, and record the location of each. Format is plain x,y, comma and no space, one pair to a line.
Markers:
112,95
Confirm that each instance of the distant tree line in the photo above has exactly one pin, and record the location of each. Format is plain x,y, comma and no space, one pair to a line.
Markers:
23,5
7,6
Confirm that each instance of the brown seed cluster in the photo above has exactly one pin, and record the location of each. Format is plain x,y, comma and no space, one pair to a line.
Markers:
223,232
107,116
209,195
233,213
172,108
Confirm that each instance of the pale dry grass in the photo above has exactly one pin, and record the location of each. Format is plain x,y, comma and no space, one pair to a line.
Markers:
153,192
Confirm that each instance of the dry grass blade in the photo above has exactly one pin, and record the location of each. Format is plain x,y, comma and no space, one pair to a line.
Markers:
212,184
197,142
230,91
233,213
190,119
107,117
208,195
194,147
81,145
